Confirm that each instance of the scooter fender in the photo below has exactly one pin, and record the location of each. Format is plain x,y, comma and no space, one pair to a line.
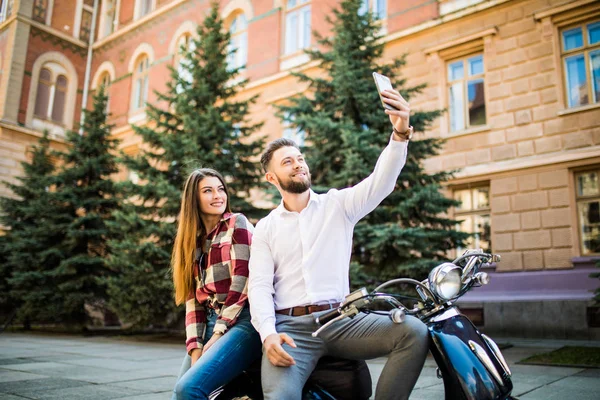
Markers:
470,367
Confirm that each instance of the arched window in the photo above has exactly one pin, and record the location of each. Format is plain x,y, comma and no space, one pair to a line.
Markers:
42,99
51,95
105,82
184,45
140,82
238,43
60,97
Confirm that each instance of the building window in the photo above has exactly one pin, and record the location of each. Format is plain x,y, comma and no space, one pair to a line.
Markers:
290,131
85,24
377,7
109,13
581,62
588,211
474,216
185,44
297,26
238,43
466,96
105,83
143,7
40,10
140,86
5,9
51,95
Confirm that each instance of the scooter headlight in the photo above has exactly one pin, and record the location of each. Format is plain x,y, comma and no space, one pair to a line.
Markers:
445,281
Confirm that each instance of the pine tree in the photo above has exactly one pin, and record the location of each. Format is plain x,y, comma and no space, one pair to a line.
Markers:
200,124
88,192
347,130
33,245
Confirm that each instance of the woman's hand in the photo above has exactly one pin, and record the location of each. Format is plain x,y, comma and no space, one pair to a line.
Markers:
195,355
216,336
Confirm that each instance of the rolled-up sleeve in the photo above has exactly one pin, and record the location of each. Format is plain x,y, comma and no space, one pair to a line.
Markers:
195,323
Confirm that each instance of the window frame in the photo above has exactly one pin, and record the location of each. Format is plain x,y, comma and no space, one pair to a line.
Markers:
584,50
581,199
138,9
179,58
77,24
371,5
239,33
104,10
6,9
291,131
300,33
106,80
140,89
471,212
465,88
55,71
48,11
70,72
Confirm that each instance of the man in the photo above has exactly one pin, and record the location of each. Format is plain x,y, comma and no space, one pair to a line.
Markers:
299,265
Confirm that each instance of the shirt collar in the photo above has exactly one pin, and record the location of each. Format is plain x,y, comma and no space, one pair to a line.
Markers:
313,198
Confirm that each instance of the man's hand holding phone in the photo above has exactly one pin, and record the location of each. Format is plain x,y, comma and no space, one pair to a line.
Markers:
395,106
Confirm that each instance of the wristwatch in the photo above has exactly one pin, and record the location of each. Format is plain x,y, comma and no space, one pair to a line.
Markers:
407,135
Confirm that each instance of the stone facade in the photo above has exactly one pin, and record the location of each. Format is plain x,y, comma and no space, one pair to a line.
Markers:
527,152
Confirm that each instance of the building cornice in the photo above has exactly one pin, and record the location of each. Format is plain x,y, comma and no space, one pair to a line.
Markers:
53,32
136,24
443,19
7,22
549,12
30,132
462,40
537,161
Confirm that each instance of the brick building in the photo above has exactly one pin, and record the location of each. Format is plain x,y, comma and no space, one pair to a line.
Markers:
520,80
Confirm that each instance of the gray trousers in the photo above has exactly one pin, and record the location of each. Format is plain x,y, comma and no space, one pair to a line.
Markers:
364,337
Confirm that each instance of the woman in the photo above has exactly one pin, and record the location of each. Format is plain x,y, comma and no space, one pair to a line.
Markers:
210,272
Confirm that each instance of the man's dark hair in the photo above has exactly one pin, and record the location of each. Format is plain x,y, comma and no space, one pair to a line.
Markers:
272,147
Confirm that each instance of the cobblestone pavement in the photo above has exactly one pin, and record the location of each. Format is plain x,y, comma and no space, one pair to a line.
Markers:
37,366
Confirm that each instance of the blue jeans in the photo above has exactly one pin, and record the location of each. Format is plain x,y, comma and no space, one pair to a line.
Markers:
226,358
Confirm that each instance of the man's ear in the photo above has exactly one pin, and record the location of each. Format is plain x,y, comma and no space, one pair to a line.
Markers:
270,178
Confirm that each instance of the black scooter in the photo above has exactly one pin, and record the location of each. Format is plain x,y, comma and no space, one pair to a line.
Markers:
469,362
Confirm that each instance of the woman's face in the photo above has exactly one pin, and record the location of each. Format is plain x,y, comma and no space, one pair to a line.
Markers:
212,196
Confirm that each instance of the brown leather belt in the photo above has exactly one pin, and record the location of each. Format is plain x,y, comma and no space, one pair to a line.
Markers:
304,310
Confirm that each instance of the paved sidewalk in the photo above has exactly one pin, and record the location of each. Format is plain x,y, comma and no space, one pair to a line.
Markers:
35,366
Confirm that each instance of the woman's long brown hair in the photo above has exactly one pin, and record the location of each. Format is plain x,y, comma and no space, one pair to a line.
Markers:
189,230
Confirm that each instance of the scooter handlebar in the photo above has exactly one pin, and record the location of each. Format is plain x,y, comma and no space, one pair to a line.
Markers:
328,316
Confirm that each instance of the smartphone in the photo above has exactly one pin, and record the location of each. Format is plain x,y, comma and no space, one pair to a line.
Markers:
383,83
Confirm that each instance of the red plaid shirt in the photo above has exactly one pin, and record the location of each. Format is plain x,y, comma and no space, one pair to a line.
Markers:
221,282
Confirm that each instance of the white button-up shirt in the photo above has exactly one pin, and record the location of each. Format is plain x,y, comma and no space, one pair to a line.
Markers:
303,258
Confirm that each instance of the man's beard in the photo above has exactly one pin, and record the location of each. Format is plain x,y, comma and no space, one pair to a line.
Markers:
292,186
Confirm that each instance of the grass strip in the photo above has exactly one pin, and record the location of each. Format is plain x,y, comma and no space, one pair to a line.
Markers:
567,356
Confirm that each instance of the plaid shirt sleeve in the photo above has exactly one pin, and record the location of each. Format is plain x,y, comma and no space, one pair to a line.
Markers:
195,320
237,295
